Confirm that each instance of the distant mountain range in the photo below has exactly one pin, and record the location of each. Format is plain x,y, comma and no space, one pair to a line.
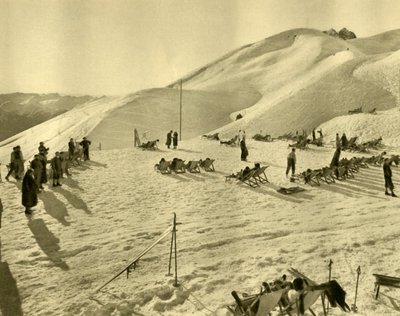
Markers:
19,111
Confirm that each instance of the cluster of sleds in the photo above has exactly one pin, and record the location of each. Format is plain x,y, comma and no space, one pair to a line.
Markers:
290,298
180,166
345,169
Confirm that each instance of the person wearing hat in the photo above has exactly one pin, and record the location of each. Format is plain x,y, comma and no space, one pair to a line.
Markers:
71,148
37,166
56,167
19,163
29,192
43,149
85,145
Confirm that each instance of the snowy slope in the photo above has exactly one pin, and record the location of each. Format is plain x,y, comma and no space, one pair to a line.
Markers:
56,132
231,236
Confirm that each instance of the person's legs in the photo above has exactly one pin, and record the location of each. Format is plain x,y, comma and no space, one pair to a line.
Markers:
293,167
289,164
10,171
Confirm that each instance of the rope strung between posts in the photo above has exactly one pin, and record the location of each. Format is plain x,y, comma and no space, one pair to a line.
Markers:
198,301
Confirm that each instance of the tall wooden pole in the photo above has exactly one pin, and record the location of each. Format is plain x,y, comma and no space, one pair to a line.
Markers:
180,111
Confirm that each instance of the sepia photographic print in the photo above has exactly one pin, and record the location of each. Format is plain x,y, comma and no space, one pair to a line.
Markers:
199,157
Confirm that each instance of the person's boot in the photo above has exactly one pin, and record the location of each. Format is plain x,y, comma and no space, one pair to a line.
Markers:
58,184
54,184
394,195
28,211
387,193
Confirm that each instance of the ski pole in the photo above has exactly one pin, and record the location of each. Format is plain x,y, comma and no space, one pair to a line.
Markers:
354,307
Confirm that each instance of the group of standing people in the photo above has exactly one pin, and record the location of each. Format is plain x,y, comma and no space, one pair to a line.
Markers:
36,174
172,138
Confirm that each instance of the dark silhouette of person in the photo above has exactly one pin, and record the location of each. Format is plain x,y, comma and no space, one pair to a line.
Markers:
29,191
244,150
57,170
43,160
37,167
43,149
344,140
335,161
313,135
175,139
85,145
387,173
71,148
169,139
291,162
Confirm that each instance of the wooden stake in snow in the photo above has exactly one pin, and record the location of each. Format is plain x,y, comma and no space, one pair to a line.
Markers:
354,307
133,263
136,139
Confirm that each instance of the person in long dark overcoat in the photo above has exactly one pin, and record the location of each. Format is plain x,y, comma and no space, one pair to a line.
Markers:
57,169
175,140
244,151
29,191
169,139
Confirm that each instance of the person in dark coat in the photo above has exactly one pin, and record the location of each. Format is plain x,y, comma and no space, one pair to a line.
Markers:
335,161
71,148
43,149
169,139
43,178
37,167
57,170
291,162
175,139
337,140
344,141
387,173
18,163
244,151
29,192
313,135
85,145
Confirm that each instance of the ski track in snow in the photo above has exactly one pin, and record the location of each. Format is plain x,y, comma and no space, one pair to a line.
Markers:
231,236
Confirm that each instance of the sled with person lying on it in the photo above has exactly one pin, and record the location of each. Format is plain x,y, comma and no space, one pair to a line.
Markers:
355,111
261,138
232,142
212,136
150,145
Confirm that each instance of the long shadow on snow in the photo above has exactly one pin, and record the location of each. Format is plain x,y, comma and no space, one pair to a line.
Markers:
10,302
54,207
394,301
350,191
193,176
72,183
96,163
75,201
47,242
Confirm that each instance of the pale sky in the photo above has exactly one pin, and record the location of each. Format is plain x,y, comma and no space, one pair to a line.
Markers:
120,46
